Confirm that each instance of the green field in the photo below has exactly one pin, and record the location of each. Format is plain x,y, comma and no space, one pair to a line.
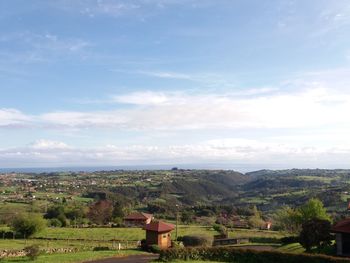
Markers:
46,244
292,248
88,238
74,257
135,234
253,233
124,234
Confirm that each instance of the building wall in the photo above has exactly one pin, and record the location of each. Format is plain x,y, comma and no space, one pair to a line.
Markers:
148,220
151,238
163,240
339,242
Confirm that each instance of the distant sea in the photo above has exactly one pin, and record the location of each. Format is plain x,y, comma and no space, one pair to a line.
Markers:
239,168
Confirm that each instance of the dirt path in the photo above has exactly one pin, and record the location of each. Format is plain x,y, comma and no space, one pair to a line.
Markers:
128,259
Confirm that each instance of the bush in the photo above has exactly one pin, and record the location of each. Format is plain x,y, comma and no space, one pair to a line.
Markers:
27,225
101,248
9,234
54,222
231,254
196,241
143,245
289,240
154,249
220,229
32,251
270,240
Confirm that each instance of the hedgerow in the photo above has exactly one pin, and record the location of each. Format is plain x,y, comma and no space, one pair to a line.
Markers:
239,255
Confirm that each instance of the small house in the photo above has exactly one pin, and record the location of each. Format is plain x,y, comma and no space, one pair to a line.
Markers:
266,226
159,233
342,237
138,219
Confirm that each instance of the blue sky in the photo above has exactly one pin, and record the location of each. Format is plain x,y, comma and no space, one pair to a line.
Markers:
244,83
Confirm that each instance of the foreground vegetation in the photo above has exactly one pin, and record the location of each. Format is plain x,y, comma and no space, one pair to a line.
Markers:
230,254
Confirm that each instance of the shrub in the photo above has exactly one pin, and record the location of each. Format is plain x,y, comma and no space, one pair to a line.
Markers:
143,245
54,222
270,240
196,241
9,234
32,251
154,249
100,248
230,254
220,229
289,240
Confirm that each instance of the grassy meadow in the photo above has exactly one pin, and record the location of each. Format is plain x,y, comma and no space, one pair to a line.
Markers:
74,257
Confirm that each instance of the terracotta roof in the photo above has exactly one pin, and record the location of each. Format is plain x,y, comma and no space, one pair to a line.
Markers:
342,226
159,226
138,216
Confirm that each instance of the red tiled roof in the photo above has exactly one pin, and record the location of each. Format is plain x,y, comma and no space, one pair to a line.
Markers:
342,226
159,226
138,216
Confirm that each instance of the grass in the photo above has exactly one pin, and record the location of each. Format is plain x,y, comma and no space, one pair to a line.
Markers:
292,248
254,233
126,234
20,244
74,257
93,233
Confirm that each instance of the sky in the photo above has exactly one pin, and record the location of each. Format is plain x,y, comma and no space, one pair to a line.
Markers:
240,84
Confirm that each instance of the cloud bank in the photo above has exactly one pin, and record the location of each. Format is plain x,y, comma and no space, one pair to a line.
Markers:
308,108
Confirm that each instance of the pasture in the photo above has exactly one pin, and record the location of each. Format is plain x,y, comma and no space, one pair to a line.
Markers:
74,257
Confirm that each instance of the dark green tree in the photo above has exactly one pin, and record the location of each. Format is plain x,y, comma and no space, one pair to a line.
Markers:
315,233
187,217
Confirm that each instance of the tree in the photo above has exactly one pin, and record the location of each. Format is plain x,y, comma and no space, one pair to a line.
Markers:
220,228
187,217
118,210
57,212
27,225
315,233
54,212
255,221
75,212
313,209
288,219
100,212
291,220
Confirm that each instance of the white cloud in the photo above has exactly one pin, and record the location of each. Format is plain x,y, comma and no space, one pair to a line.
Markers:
317,107
167,75
204,79
48,145
230,151
13,117
142,98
